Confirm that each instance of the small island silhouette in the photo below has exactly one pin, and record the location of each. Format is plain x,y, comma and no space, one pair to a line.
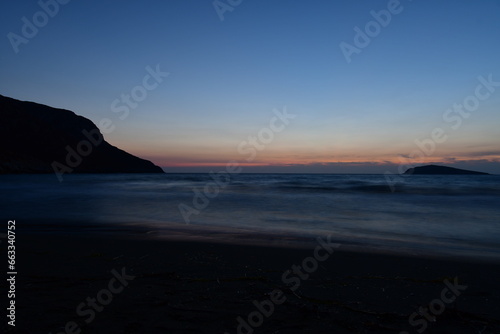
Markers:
441,170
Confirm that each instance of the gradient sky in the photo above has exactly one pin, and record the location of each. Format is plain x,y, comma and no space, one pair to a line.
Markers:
226,78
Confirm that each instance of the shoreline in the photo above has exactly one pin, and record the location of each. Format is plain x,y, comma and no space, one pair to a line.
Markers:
176,232
203,287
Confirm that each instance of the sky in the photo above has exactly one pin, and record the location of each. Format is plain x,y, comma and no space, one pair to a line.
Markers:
277,86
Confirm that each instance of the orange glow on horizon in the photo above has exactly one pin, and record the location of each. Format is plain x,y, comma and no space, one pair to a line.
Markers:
353,162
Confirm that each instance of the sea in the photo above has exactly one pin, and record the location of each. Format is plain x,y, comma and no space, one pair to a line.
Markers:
456,215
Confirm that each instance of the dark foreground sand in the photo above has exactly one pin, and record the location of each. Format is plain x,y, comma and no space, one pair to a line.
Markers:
196,287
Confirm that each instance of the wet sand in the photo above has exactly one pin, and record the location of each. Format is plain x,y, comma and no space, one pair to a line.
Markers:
94,283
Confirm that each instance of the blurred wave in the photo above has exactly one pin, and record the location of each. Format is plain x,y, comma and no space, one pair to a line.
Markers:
453,213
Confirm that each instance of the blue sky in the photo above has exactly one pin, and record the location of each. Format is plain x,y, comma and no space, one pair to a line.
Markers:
226,78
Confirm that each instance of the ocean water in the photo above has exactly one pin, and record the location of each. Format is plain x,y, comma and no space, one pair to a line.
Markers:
452,214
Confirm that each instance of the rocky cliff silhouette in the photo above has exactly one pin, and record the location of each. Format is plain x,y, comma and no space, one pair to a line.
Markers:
35,138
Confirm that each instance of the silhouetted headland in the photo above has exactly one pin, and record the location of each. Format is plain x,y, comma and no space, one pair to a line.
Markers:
441,170
35,138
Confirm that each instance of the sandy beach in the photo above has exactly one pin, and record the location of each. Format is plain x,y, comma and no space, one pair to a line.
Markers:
92,283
